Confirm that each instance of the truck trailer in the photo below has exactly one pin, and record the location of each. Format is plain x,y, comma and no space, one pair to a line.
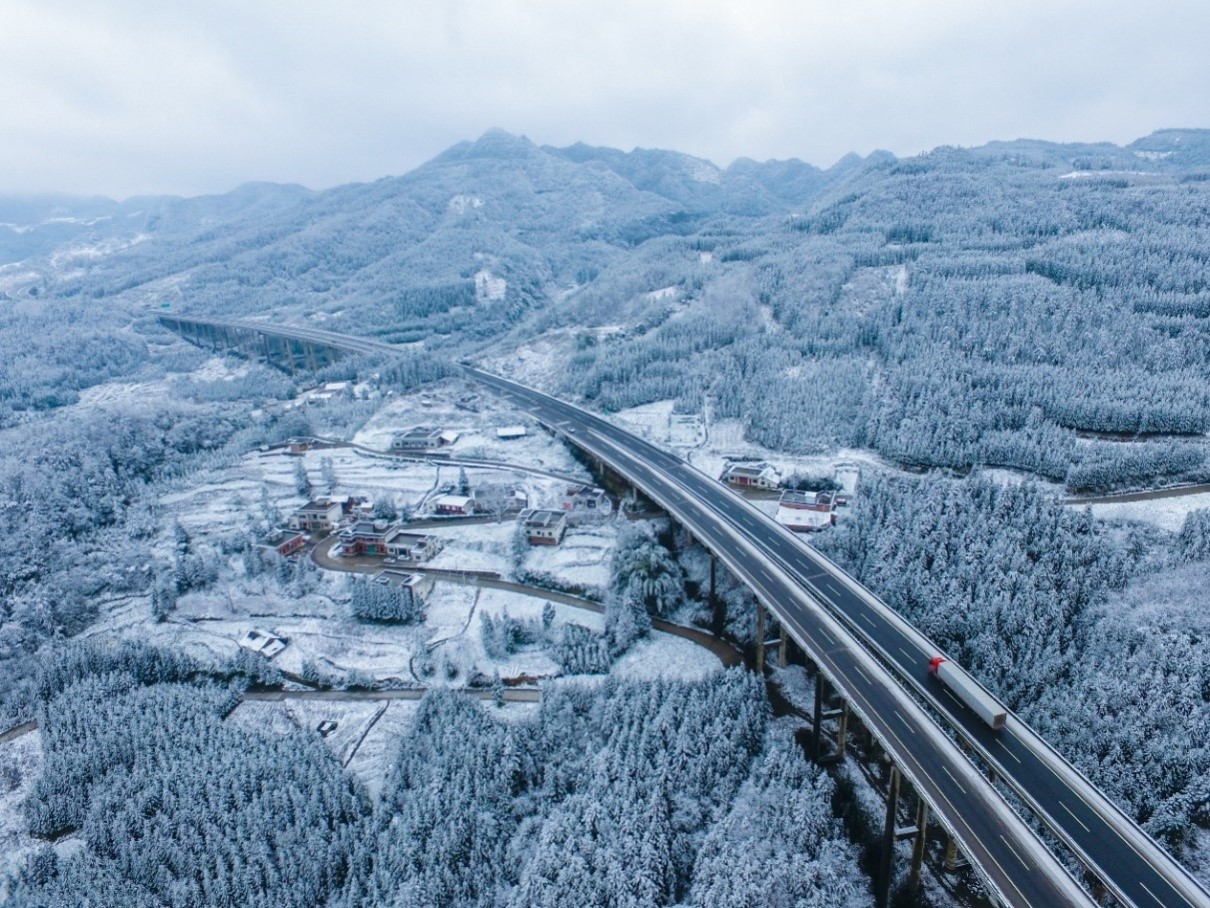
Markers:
966,689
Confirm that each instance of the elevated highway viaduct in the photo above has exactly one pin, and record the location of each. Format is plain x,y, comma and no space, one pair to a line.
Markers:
878,663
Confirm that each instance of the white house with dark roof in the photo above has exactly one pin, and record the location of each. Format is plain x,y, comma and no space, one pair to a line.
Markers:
586,501
320,515
758,475
805,512
543,527
454,505
398,543
420,438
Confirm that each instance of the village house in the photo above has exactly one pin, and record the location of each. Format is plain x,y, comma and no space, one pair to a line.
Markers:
364,537
499,498
263,642
805,511
423,438
509,433
284,542
414,547
543,527
318,516
454,505
420,585
751,475
586,501
298,446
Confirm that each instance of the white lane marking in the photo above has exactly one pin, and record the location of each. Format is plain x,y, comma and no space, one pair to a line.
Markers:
1074,817
857,668
1149,892
826,636
1014,851
905,652
987,852
906,723
868,620
1129,844
954,780
1009,752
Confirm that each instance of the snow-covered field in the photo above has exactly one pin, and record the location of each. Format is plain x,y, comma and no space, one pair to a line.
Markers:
475,415
708,445
1165,513
540,363
582,558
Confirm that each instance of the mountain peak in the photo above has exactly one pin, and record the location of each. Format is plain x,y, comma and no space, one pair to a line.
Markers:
494,144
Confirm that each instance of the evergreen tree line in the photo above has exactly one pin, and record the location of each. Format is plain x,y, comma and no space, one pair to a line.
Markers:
624,794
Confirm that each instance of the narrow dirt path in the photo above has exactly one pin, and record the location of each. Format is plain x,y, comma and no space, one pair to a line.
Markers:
17,731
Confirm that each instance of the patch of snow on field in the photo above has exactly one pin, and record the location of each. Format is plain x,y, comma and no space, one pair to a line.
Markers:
1165,513
475,547
373,760
20,766
541,363
666,656
582,558
488,287
122,393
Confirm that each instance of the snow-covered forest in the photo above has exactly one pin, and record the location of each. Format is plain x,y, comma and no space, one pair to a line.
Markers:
984,330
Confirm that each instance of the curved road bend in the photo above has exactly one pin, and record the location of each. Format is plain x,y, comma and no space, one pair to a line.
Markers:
321,555
1128,861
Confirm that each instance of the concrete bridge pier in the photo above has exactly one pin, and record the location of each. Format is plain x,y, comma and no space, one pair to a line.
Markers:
893,833
762,644
824,713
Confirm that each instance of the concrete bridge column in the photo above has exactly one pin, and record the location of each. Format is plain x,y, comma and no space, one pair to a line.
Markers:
760,637
922,819
882,893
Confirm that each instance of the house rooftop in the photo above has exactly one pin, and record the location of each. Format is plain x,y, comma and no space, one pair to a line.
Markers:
366,528
748,469
541,517
319,505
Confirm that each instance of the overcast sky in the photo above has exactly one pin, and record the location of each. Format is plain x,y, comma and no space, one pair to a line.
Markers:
123,97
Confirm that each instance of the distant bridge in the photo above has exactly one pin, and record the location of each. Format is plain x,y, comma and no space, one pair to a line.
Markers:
868,653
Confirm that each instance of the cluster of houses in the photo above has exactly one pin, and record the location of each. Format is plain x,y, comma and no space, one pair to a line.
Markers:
797,510
547,526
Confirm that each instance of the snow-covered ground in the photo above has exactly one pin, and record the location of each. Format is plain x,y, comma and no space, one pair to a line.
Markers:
475,415
20,765
709,445
666,656
541,363
368,734
1165,513
582,558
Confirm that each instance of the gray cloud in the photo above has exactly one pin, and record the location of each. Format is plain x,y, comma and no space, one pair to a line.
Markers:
131,97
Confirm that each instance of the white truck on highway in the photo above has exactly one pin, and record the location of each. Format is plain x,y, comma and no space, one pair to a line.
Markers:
966,689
